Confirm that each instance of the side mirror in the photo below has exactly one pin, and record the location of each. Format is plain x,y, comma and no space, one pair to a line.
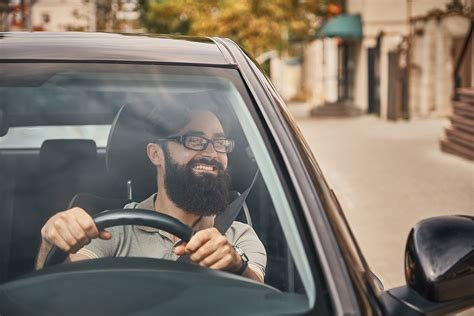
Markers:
439,258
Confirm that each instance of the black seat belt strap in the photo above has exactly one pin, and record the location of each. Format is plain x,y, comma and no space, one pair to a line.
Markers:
224,220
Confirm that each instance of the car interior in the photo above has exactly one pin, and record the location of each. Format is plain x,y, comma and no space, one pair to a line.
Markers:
37,182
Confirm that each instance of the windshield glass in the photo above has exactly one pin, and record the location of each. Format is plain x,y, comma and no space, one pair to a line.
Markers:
142,136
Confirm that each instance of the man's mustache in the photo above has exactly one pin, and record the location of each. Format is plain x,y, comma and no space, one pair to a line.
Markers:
210,162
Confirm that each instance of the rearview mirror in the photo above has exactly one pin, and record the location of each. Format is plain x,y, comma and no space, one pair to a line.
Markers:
439,258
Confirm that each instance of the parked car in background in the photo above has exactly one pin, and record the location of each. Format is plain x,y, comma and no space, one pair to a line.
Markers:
64,101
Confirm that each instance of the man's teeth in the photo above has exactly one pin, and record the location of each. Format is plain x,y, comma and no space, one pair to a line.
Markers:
204,167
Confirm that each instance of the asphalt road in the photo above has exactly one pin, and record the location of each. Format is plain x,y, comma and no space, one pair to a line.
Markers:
388,176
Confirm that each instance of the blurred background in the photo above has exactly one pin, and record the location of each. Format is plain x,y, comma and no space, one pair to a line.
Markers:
383,91
398,59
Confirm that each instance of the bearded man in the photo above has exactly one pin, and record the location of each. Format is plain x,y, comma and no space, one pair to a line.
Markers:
193,186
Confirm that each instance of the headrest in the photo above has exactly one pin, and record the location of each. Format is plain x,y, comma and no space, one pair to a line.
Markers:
61,153
129,135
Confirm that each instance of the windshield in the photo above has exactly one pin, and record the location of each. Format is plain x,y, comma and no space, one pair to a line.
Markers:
127,134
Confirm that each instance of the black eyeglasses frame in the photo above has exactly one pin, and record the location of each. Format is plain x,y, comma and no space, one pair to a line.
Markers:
182,140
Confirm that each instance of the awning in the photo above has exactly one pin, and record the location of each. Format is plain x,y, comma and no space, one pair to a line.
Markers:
346,26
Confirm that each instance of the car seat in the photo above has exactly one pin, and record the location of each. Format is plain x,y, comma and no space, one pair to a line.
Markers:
7,181
45,191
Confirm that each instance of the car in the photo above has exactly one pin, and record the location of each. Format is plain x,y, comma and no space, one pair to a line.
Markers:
75,112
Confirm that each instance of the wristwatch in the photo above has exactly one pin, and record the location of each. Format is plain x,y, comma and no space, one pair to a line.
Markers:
245,260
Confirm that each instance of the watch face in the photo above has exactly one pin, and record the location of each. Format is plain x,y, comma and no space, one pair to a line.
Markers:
242,254
238,250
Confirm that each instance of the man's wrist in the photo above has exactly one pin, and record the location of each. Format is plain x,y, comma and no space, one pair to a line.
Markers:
244,261
45,248
46,244
243,266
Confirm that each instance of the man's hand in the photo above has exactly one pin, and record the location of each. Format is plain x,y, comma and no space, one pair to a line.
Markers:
69,230
209,248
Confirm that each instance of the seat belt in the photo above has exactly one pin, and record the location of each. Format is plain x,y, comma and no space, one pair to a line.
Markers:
224,220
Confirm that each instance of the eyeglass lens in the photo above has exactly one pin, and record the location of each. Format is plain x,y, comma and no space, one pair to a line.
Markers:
200,143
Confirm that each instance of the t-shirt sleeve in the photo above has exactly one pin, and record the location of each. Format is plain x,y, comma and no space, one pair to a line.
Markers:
245,237
99,248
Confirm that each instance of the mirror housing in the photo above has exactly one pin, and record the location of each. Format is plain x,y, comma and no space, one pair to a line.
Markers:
439,258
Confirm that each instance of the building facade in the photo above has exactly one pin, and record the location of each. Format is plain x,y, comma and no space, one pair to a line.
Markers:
71,15
401,65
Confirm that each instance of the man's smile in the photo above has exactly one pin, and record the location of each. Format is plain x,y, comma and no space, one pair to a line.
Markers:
204,168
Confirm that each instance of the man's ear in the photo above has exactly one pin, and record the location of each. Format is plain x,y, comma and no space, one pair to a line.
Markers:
155,154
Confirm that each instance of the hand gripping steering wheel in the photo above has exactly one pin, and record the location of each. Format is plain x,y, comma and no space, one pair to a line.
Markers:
121,217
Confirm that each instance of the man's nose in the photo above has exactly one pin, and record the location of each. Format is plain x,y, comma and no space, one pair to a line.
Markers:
210,151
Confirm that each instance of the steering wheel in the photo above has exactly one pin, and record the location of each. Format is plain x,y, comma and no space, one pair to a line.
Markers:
135,216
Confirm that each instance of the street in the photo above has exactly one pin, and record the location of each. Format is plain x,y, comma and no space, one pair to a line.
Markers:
387,177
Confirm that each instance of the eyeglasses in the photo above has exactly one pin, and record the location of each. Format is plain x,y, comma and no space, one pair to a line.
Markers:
199,143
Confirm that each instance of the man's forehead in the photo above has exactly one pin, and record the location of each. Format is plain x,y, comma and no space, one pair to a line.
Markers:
201,133
204,123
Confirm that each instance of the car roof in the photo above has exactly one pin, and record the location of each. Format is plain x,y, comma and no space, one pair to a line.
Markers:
110,47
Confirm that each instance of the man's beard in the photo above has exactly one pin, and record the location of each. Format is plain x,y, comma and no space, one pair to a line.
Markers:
203,194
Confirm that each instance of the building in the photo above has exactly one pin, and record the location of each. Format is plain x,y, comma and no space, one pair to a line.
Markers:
71,15
392,58
62,15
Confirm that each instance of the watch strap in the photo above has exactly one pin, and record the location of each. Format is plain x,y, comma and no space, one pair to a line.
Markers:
243,267
244,258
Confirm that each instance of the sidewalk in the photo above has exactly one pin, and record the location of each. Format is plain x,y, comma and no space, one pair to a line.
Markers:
388,176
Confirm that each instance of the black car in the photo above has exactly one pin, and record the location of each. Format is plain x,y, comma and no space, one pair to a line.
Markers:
73,108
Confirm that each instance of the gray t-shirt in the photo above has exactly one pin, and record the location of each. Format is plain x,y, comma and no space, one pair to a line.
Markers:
141,241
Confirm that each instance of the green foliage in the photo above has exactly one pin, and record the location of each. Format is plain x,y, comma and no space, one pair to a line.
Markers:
455,6
258,25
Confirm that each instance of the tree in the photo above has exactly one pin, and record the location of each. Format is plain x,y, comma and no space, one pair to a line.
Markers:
258,25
